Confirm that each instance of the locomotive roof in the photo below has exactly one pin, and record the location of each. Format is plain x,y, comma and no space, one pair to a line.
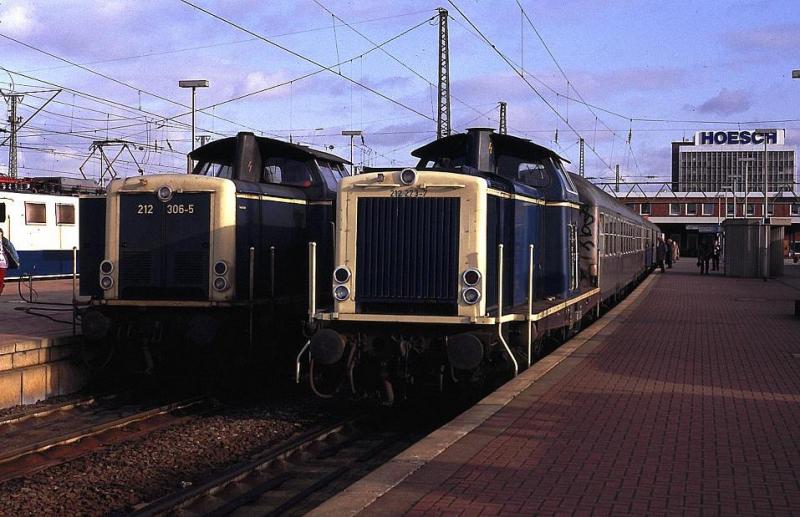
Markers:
454,145
225,148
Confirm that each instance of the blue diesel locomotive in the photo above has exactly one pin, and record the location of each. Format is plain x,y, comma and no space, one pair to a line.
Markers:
460,268
185,259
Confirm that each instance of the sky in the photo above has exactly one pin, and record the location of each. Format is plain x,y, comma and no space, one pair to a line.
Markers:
629,77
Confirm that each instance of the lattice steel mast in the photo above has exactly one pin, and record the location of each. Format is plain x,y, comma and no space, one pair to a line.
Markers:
443,120
13,120
503,127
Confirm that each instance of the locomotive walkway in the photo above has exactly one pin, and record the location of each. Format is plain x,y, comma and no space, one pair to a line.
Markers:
683,399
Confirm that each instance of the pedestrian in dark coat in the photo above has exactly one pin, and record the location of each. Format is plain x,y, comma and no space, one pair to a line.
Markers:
716,250
704,255
670,253
661,254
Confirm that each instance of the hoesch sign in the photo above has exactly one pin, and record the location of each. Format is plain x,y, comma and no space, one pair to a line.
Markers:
773,136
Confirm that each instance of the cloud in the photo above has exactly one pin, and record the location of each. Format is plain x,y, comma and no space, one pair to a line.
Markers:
771,38
259,81
18,20
726,102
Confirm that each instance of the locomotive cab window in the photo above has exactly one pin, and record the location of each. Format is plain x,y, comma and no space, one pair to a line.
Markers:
330,174
285,171
35,213
444,163
567,180
533,174
216,170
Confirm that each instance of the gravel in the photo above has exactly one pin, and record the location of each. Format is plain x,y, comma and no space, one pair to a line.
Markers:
114,479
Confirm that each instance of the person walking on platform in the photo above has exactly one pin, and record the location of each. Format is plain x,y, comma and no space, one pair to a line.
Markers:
8,259
669,253
704,255
661,254
676,251
715,252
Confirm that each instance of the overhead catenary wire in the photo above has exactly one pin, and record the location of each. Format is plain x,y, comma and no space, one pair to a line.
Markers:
121,83
392,56
308,59
222,43
319,71
525,80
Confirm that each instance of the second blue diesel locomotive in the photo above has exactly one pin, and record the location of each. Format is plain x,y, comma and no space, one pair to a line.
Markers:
464,264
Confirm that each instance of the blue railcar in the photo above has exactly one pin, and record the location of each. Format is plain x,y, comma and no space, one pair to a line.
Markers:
43,226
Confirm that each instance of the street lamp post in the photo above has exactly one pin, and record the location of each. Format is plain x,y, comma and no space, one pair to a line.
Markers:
194,84
746,161
352,133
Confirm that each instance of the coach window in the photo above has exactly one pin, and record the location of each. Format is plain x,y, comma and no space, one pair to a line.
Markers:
65,214
285,171
644,209
691,208
794,209
708,209
674,209
533,174
751,209
730,208
35,213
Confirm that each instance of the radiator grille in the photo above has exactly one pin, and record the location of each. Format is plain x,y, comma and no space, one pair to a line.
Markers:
407,253
190,267
138,268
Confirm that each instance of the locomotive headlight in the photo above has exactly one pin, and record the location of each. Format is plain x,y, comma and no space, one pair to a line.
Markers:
408,176
341,293
106,267
471,296
220,284
220,267
106,282
341,274
471,277
164,193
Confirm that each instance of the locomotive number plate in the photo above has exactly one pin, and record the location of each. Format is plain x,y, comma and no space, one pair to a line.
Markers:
180,208
409,192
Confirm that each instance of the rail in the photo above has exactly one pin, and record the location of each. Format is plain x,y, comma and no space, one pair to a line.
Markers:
14,461
256,477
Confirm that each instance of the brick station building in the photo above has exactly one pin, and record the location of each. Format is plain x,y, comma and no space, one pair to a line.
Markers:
717,175
684,216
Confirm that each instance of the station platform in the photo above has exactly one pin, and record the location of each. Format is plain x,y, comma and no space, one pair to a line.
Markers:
682,399
37,347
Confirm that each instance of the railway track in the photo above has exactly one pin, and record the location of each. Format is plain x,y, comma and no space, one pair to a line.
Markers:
293,477
36,440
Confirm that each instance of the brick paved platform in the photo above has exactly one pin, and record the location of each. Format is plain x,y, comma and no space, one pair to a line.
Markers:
37,354
16,325
683,399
